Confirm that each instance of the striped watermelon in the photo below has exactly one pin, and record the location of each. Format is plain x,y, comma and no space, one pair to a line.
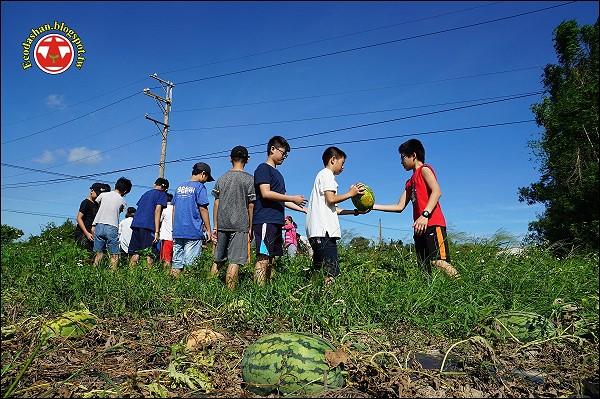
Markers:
289,362
525,326
71,324
364,201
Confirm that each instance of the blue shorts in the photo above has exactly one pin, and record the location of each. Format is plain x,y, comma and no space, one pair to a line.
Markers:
272,244
325,253
106,237
185,252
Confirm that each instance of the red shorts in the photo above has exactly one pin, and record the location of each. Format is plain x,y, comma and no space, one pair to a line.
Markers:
166,250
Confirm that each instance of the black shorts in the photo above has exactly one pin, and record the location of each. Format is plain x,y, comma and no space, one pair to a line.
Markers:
432,245
325,253
141,239
272,244
83,242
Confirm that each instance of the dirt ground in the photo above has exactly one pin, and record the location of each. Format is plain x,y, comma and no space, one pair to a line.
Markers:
148,358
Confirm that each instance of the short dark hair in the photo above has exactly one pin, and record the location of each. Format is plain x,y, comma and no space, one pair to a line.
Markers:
278,141
410,146
169,197
123,185
130,212
332,152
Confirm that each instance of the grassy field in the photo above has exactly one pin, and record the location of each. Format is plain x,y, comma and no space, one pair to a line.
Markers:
380,289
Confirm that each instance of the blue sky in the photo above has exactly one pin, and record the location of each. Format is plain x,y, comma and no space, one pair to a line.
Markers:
364,76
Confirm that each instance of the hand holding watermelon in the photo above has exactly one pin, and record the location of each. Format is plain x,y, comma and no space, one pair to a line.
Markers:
365,199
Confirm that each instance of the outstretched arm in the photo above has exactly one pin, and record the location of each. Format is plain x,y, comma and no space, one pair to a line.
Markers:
398,207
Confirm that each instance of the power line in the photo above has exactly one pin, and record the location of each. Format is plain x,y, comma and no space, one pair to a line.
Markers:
15,185
371,45
37,214
69,121
73,105
343,115
330,38
216,154
358,91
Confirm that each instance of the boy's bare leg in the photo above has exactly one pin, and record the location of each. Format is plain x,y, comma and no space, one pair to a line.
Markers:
447,268
149,260
214,269
98,258
231,277
114,262
134,260
260,272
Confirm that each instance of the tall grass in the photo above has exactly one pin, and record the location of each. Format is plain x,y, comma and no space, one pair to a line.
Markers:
378,288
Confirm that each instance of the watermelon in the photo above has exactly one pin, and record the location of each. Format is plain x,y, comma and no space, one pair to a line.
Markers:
71,324
364,201
525,326
289,362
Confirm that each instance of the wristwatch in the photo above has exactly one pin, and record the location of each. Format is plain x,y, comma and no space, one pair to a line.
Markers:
426,214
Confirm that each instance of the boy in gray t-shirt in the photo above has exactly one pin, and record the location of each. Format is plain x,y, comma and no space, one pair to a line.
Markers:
232,216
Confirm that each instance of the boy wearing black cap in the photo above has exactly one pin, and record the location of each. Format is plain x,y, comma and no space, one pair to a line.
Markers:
232,216
191,222
87,211
145,225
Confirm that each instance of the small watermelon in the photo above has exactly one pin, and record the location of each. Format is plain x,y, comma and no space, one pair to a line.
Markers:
364,201
69,325
289,362
525,326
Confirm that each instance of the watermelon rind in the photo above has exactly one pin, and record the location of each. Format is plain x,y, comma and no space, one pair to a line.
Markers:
364,201
289,363
71,324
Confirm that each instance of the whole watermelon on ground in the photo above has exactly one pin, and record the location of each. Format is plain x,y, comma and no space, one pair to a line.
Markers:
364,201
525,326
289,362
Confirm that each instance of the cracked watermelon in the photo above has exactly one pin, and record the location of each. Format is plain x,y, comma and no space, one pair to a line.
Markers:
364,201
289,362
71,324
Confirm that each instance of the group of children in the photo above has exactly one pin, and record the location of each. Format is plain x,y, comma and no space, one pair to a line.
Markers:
250,208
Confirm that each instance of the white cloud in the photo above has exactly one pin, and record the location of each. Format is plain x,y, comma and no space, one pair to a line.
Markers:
46,158
85,155
55,101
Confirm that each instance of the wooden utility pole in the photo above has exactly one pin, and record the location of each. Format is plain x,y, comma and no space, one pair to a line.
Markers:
165,104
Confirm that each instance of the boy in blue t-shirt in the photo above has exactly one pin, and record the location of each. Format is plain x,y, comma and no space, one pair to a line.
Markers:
145,225
191,222
268,215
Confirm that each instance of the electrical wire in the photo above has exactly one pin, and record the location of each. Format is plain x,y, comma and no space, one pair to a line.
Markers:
71,120
330,38
369,45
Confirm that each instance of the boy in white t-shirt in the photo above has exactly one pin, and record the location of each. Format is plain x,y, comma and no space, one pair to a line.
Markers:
166,232
322,224
105,227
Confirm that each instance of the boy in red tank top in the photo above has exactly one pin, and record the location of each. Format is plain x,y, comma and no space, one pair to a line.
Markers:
423,190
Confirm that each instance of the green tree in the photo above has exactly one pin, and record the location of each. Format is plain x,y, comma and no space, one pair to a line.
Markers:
9,233
568,148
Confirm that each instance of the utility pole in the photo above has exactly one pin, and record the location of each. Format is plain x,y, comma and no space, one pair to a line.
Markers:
380,235
165,104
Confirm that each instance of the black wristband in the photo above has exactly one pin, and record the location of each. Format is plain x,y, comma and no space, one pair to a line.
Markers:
356,212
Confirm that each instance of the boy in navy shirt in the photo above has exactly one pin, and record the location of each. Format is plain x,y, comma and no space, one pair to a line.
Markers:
146,221
268,215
